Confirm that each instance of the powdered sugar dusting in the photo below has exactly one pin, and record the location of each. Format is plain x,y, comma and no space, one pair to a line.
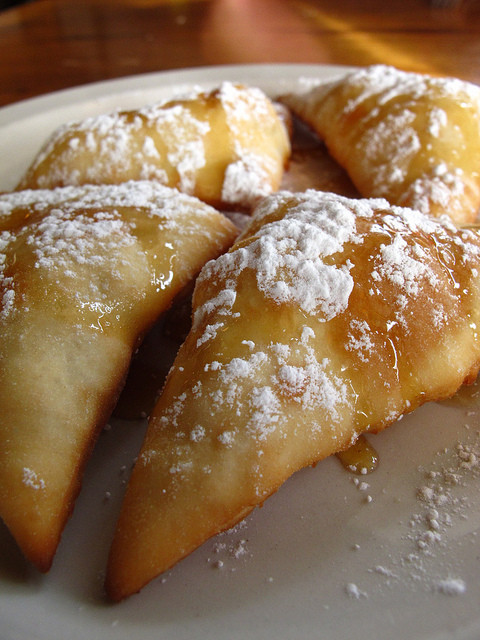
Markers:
31,479
58,239
125,142
451,586
172,142
292,260
230,547
6,282
249,176
71,230
288,257
395,137
353,591
404,270
439,496
246,179
422,553
412,138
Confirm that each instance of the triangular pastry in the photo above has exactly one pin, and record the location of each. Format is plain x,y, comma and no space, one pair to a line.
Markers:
84,272
228,147
327,318
411,138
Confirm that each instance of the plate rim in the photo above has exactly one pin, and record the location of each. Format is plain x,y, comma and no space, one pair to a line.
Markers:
136,82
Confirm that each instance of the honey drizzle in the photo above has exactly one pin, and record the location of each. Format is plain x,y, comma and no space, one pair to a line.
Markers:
360,458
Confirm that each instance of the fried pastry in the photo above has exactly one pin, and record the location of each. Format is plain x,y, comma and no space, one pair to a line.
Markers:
328,317
84,272
411,138
228,147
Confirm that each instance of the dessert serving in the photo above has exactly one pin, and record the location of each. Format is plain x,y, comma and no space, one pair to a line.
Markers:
328,317
346,294
227,147
84,273
413,139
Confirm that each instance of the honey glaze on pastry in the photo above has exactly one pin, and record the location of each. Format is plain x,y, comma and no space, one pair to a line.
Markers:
84,272
360,458
328,317
411,138
228,147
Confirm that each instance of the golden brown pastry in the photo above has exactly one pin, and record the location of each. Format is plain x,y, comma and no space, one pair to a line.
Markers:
411,138
228,147
84,272
327,318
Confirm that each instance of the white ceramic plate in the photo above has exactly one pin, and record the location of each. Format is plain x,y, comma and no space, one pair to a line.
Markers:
391,555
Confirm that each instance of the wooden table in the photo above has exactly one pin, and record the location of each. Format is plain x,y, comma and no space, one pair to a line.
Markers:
47,45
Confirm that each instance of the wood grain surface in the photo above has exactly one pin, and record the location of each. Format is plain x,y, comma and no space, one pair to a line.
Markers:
47,45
